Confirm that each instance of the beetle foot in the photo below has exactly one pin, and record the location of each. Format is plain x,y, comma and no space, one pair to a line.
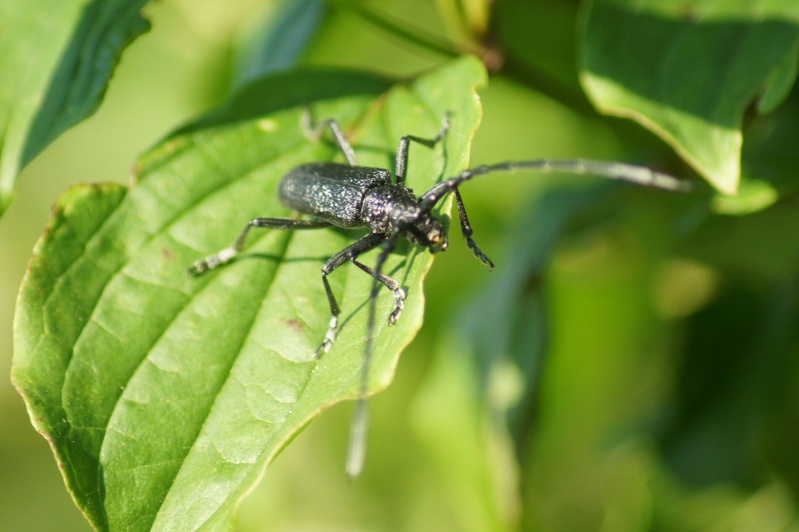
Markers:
471,244
212,261
399,304
330,337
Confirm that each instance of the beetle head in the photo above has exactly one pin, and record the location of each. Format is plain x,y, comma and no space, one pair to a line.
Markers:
417,224
427,231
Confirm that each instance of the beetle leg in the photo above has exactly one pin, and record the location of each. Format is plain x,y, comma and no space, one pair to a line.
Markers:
212,261
350,253
401,164
341,140
466,229
391,284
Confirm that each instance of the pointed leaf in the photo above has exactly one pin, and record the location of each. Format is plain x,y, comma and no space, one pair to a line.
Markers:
164,396
688,71
278,41
57,58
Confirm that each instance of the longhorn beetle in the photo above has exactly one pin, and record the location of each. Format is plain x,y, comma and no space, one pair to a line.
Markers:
352,196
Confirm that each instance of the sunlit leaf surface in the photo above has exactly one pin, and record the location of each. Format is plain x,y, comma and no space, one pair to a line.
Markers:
164,395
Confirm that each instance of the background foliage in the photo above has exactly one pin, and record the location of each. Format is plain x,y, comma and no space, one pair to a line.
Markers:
631,362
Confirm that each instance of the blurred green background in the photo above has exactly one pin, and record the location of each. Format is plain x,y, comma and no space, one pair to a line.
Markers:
657,339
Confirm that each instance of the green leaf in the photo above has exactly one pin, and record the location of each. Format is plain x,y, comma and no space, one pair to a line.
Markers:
472,461
276,42
688,71
753,196
57,58
163,395
509,322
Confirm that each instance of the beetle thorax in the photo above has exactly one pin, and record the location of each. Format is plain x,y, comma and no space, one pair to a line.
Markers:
393,208
386,206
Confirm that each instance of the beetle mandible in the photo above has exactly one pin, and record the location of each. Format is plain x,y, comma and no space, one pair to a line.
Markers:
352,196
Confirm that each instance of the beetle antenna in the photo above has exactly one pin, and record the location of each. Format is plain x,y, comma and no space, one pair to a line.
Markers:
356,452
640,175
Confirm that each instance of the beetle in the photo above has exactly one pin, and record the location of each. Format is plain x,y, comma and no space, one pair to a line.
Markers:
351,196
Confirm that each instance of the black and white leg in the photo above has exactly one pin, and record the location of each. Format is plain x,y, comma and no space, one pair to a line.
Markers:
350,254
224,256
391,284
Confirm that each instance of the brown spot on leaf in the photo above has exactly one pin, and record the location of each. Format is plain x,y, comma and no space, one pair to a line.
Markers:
298,327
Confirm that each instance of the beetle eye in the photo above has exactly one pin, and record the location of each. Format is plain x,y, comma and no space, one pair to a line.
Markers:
438,242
